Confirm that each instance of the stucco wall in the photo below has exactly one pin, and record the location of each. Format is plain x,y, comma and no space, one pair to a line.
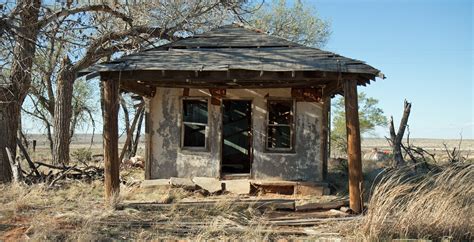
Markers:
168,160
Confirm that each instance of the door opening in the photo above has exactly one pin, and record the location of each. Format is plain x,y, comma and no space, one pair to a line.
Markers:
236,136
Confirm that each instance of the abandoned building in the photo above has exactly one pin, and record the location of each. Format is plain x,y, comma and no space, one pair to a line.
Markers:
236,102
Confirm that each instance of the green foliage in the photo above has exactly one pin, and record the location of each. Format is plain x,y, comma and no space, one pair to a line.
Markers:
84,104
299,22
82,155
370,116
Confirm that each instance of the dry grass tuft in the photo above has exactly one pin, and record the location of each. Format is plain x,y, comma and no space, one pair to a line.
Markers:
430,205
159,195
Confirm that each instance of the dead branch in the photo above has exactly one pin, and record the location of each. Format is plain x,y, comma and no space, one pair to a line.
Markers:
28,159
454,155
15,166
396,138
63,174
90,8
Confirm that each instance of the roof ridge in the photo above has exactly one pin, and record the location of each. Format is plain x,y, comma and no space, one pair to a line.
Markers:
230,36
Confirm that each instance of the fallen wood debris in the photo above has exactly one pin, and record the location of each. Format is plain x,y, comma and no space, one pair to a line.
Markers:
61,172
55,172
194,227
322,206
236,221
290,215
309,222
277,204
274,204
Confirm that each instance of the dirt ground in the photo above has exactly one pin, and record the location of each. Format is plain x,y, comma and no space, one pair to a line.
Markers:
75,210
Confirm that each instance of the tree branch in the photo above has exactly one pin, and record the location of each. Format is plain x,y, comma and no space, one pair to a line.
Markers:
91,8
96,50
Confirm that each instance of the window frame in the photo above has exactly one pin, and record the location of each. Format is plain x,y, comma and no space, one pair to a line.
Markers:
182,125
292,126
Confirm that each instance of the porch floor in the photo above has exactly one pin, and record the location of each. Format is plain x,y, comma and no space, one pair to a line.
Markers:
242,186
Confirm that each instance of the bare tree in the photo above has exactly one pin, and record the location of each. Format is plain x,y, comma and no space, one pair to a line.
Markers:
20,25
175,18
13,90
88,33
396,138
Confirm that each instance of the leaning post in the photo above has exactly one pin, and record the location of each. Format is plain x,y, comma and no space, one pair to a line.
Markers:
110,139
353,145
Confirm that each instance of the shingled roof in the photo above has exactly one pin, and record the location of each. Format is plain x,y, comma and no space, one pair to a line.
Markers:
234,47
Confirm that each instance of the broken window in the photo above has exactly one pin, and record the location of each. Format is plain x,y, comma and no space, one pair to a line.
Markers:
280,125
194,123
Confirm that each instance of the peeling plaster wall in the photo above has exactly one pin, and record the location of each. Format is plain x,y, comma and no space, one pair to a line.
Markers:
168,160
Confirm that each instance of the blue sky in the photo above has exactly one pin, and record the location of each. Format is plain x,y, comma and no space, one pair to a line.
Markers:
425,48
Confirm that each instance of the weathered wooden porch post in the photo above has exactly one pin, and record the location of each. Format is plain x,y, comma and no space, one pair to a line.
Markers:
110,139
325,135
353,145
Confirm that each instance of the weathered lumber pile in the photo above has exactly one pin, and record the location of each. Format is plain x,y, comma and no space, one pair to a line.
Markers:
337,207
234,216
228,224
278,204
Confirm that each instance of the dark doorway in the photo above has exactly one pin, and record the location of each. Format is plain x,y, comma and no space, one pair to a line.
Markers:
236,136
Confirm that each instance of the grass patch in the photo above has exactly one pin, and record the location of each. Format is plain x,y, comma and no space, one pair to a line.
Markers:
433,205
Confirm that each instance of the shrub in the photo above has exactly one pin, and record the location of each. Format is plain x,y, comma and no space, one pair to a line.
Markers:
82,155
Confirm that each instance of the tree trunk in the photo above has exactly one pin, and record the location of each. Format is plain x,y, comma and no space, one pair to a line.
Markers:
9,114
50,137
63,113
21,136
396,138
13,93
126,118
126,115
137,136
127,146
15,167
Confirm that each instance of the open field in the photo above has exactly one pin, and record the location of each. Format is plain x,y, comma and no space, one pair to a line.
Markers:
435,145
466,144
428,144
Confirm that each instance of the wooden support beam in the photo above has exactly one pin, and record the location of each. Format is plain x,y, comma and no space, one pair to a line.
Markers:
148,145
110,139
307,94
353,145
216,95
221,77
325,135
332,89
138,88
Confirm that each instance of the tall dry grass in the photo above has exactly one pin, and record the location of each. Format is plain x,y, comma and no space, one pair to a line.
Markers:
429,205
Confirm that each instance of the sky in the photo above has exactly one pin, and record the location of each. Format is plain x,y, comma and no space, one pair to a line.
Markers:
424,47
